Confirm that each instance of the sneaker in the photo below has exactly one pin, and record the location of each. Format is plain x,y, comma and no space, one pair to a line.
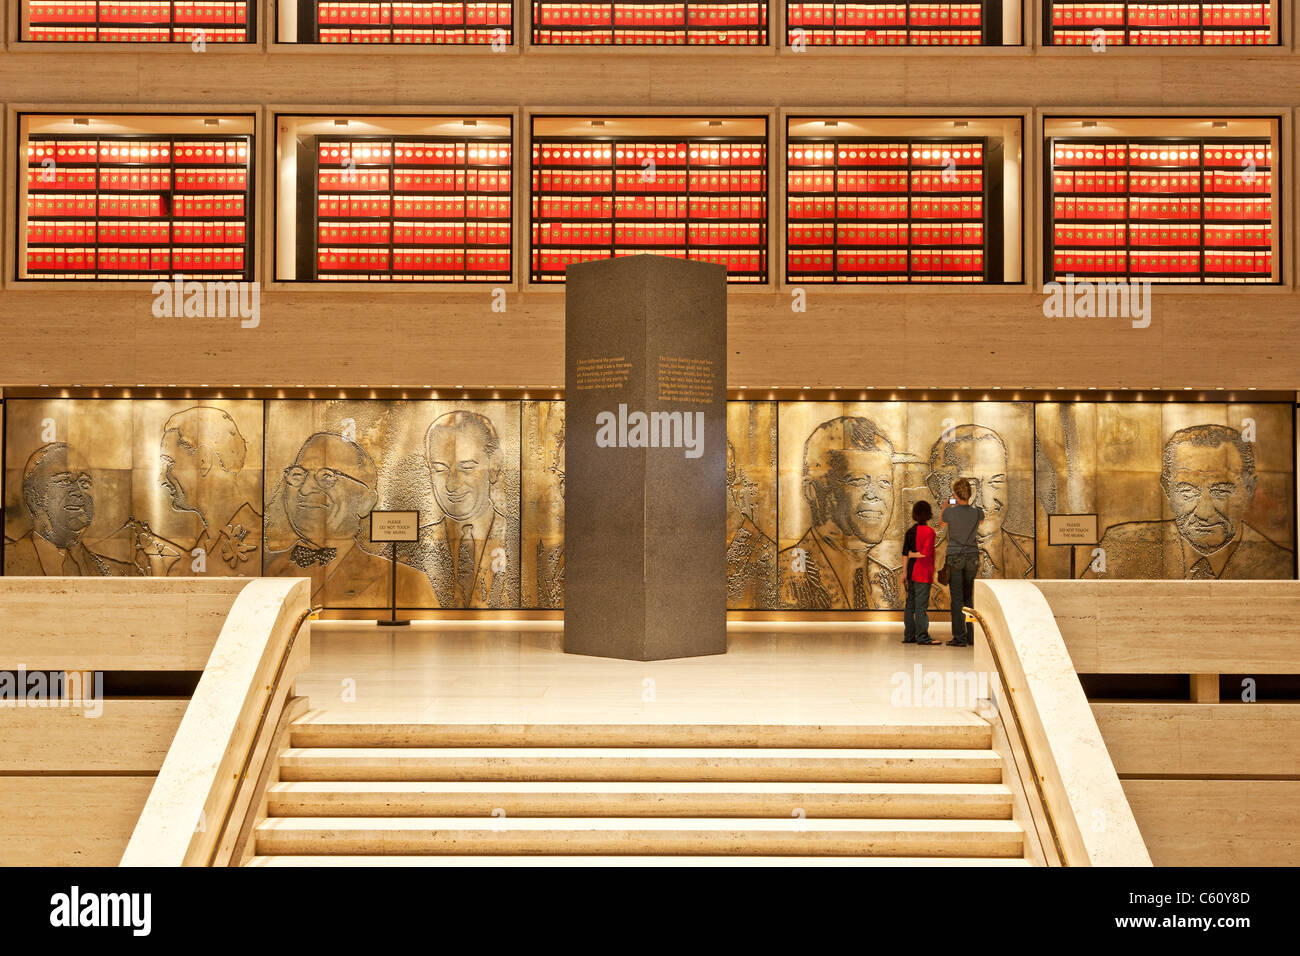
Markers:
957,643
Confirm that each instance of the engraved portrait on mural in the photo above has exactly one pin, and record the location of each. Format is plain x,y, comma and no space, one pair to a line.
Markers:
456,463
58,495
147,487
325,495
202,455
542,521
848,484
470,551
851,473
751,505
990,444
1197,492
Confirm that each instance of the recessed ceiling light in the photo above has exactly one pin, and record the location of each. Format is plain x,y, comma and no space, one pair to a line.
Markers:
212,122
341,122
81,121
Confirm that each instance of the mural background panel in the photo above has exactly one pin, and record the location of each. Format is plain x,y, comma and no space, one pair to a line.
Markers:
1205,518
133,487
542,521
128,487
991,445
851,558
457,463
751,505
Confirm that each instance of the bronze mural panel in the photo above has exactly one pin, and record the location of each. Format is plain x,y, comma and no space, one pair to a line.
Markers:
1065,473
751,505
850,473
542,521
457,463
469,549
1182,491
126,488
819,494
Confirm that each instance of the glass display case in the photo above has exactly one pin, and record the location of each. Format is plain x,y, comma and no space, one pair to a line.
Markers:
395,199
417,22
639,22
902,200
1199,205
131,198
138,21
1159,23
687,187
873,23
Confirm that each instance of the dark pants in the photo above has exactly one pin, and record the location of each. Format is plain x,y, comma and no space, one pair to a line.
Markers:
916,620
962,569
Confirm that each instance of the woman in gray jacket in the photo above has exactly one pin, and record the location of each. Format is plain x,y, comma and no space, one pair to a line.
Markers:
962,520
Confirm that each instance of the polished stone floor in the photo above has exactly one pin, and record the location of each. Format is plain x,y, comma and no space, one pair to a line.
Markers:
516,672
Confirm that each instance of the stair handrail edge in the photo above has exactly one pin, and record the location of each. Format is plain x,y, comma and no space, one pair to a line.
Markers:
1037,690
201,794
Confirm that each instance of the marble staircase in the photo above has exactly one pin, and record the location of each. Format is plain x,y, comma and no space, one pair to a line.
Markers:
894,792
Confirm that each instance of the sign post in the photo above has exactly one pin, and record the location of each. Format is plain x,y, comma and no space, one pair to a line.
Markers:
393,527
1072,530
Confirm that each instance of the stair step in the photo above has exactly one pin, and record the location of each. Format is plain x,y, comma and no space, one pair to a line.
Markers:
905,728
987,801
623,836
480,764
487,860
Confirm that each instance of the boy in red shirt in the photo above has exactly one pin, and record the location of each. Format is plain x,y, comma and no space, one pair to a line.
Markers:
918,548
